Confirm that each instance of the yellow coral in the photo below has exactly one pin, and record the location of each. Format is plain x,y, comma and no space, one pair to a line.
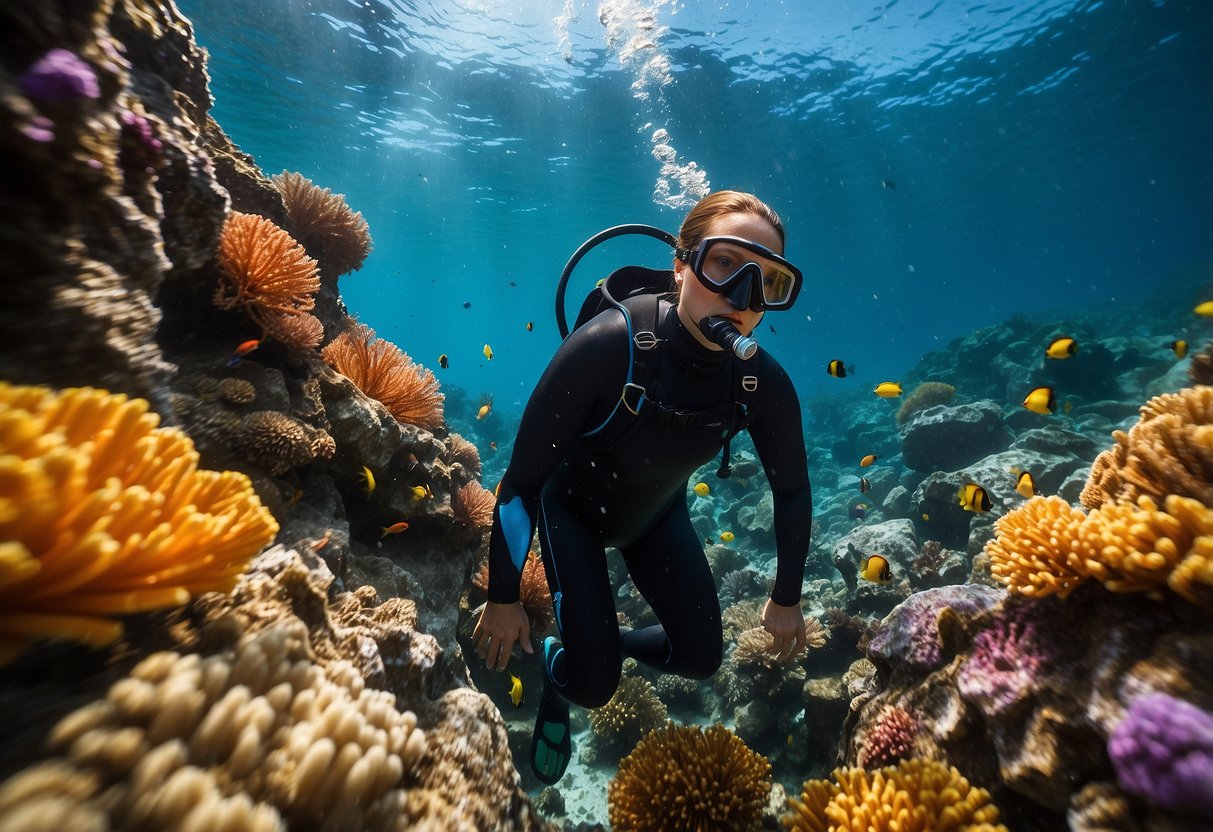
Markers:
913,796
682,778
102,513
1037,548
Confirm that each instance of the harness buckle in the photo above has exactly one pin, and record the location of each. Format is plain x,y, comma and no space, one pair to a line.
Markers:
632,387
749,383
645,340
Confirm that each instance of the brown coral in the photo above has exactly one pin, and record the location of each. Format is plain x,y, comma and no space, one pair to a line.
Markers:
685,778
278,442
258,737
533,591
236,390
303,330
264,271
474,504
104,514
337,235
632,712
927,394
1045,546
756,647
1200,371
463,452
913,796
1168,451
382,371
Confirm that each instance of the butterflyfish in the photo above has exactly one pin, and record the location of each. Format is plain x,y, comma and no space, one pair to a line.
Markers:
727,537
395,528
486,407
865,485
420,492
368,480
1041,400
530,326
515,691
888,389
868,461
701,489
488,352
443,361
1026,485
875,569
974,498
1180,348
837,369
1061,347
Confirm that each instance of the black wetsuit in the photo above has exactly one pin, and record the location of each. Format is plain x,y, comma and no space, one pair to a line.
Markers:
632,494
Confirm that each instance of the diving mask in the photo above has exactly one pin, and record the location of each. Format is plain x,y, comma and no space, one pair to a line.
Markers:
750,276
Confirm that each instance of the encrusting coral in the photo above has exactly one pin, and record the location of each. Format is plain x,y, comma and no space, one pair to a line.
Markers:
323,221
927,394
382,371
533,591
914,796
104,514
264,271
257,737
686,778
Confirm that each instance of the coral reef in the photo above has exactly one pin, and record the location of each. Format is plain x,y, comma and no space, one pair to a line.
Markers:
633,711
1007,658
106,514
680,778
265,272
323,221
382,371
462,452
927,394
891,739
915,795
1163,751
278,442
474,504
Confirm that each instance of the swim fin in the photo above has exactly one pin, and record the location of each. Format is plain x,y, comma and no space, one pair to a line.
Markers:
551,742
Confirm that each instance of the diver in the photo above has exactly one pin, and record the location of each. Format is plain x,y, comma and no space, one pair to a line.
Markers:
603,456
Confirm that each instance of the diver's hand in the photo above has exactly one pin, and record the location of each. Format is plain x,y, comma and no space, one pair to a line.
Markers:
786,624
501,625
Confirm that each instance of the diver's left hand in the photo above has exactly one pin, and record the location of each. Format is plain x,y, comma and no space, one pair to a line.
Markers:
786,624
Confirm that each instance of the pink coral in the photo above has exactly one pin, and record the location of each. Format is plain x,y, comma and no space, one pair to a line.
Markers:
892,738
1007,658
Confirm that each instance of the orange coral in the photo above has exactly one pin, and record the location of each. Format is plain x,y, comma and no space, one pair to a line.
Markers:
475,504
103,513
381,370
264,271
533,591
337,235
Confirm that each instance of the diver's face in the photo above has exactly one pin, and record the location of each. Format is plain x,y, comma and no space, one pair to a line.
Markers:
696,301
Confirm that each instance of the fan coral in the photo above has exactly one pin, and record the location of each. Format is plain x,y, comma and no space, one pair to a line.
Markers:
303,330
927,394
1045,546
382,371
1168,451
913,796
685,778
631,713
325,223
1163,751
264,271
257,737
891,739
475,503
279,443
738,585
464,453
533,591
104,514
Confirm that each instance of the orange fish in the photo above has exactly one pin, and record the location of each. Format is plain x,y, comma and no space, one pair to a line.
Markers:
867,461
242,350
486,406
395,528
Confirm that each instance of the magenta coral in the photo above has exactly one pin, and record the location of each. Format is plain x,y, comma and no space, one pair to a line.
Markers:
1163,751
891,740
59,77
1007,657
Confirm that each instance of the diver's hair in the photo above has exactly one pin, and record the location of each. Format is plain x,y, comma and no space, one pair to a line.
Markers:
718,204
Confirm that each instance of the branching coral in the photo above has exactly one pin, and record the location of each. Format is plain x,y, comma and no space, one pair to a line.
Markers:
104,514
755,646
337,235
533,591
1163,751
382,371
631,713
891,739
264,271
739,618
927,394
474,504
913,796
257,737
1168,451
1046,547
685,778
279,443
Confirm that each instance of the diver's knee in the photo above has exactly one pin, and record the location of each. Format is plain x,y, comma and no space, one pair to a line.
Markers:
704,662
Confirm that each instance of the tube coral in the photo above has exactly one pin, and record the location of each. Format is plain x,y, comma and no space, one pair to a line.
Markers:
913,796
103,513
685,778
1163,751
264,271
382,371
337,235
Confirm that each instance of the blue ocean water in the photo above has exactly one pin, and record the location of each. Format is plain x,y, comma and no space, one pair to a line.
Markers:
939,165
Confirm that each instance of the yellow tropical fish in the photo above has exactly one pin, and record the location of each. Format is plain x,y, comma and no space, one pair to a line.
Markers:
1205,309
420,492
727,537
875,568
1041,400
701,488
486,406
868,461
369,480
1061,347
488,352
1180,348
888,389
1026,485
516,691
974,498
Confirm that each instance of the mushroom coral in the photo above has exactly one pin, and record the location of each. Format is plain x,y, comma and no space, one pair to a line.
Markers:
1046,546
686,778
102,514
914,796
382,371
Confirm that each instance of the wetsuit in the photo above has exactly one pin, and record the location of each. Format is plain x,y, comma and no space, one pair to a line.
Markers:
630,493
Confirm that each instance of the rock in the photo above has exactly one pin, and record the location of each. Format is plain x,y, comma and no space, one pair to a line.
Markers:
949,438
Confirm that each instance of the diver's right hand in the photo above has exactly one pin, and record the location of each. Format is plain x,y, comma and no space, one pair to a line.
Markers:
501,625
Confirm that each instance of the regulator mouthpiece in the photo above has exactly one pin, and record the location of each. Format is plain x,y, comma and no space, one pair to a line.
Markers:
721,331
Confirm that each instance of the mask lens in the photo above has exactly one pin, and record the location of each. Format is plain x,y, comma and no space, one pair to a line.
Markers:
721,260
777,283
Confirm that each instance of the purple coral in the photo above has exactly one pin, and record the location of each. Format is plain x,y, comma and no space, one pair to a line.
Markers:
1007,657
1163,751
59,77
909,635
